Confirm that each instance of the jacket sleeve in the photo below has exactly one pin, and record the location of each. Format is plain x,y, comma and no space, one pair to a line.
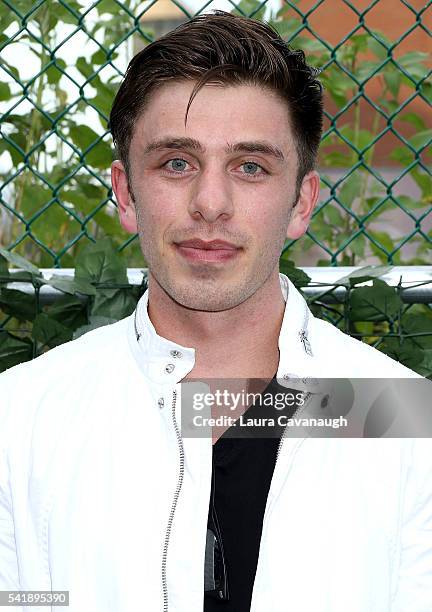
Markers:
9,578
414,588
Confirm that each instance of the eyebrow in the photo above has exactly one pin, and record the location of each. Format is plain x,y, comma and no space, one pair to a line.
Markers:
250,146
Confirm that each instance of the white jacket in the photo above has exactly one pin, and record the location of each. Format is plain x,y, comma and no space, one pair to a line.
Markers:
101,496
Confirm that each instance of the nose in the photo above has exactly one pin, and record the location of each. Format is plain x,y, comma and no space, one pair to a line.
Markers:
211,198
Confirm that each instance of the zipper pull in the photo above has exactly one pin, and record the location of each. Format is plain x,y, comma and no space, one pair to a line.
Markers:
305,341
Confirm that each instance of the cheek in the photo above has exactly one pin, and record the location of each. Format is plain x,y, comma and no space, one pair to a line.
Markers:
155,218
269,218
155,203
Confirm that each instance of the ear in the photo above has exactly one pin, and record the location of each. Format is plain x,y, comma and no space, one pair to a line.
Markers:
125,202
304,207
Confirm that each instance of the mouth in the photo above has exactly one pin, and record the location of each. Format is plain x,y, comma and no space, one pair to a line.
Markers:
213,251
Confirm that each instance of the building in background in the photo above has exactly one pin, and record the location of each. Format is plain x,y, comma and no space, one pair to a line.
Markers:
162,17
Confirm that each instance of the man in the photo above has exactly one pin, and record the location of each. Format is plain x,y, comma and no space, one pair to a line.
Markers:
217,127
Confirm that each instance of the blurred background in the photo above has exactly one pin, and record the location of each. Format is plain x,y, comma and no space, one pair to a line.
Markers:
62,61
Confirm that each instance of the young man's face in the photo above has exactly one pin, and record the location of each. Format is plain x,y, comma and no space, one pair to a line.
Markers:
237,199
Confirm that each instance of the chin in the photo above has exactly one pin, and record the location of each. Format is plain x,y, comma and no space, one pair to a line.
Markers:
210,298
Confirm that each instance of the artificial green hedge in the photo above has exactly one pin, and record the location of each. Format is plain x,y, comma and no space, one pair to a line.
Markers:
100,293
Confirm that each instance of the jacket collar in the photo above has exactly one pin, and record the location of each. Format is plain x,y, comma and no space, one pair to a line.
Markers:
166,362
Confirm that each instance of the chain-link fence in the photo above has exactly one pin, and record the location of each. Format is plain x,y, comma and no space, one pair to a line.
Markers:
61,62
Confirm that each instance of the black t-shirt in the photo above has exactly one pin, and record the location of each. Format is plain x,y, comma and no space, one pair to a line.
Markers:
242,472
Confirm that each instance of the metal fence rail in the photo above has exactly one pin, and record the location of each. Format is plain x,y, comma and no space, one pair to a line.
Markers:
61,62
415,283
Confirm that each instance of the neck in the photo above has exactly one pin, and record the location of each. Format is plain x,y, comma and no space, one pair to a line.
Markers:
241,342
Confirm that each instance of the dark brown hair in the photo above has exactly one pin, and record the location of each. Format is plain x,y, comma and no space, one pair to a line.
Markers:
221,48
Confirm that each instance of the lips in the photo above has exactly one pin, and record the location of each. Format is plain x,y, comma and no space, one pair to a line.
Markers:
213,251
212,245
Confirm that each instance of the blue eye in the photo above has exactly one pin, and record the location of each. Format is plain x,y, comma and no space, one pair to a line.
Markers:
177,163
178,166
251,166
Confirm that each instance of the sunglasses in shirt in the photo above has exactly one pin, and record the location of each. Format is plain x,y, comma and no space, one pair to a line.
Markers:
215,570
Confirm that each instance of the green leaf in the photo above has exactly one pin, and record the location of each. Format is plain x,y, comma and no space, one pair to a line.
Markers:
336,159
406,352
15,146
19,262
50,332
378,49
83,286
425,368
13,350
99,57
361,42
66,16
419,140
103,103
334,214
18,304
6,17
5,92
34,197
53,73
296,276
4,271
83,136
389,105
377,303
92,191
22,277
337,84
403,155
384,240
114,304
393,79
410,202
107,6
365,327
339,98
13,69
107,222
363,274
358,246
84,67
249,6
351,188
369,203
414,119
99,154
412,59
66,284
359,140
53,227
418,324
321,230
423,180
425,89
365,69
100,263
69,311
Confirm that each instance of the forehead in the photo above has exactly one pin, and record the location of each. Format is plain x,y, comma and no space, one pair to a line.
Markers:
217,115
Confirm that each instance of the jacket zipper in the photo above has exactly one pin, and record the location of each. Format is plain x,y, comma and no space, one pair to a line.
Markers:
173,505
307,347
303,334
295,413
